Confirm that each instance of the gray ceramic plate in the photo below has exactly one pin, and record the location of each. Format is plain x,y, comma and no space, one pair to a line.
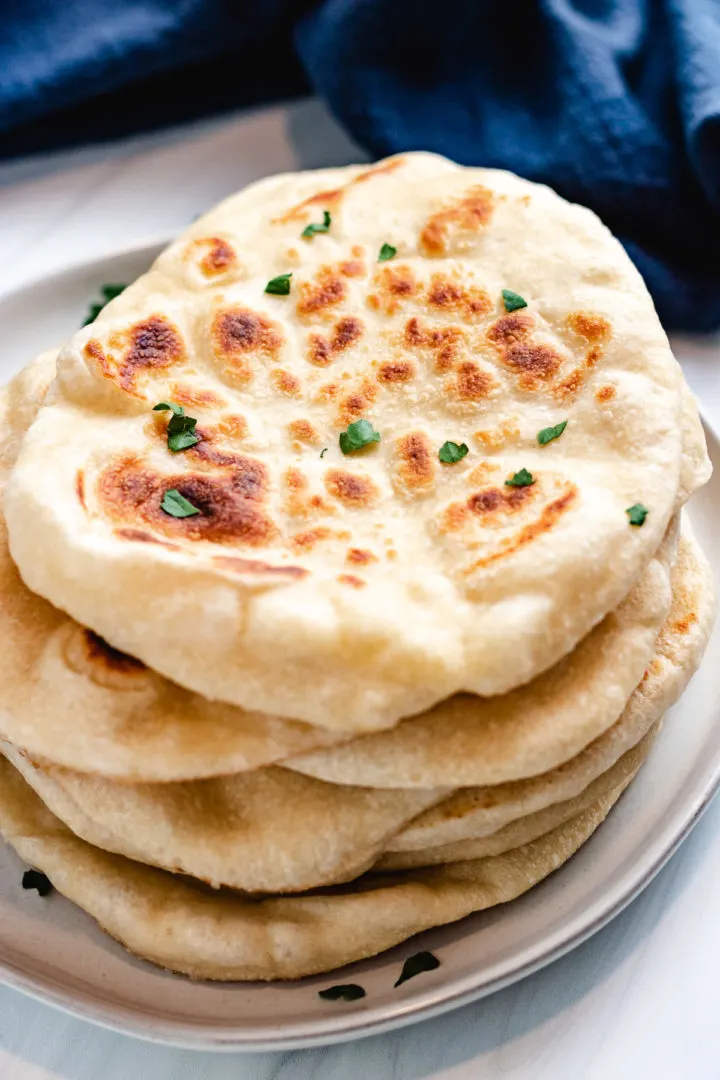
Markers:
53,951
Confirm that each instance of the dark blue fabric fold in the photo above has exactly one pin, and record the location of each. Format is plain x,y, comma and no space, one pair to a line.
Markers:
614,103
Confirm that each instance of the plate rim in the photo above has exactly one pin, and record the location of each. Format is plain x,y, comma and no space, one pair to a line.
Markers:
150,248
342,1027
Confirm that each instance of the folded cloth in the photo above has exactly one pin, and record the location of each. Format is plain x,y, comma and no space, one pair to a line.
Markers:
76,71
614,103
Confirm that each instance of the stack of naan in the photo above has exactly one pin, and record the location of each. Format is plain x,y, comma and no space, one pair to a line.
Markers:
345,583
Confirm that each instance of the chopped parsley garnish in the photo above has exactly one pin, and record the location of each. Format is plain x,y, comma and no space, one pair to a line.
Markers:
33,879
324,451
415,965
310,230
184,438
521,479
342,992
387,251
637,514
280,285
176,505
452,452
549,433
181,429
359,434
108,293
512,300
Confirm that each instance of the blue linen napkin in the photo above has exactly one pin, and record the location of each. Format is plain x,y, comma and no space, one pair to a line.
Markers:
614,103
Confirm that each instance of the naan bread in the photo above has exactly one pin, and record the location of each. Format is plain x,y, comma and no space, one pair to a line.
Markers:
384,570
264,831
474,812
273,831
530,827
172,922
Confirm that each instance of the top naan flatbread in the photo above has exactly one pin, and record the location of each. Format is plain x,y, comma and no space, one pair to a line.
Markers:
351,591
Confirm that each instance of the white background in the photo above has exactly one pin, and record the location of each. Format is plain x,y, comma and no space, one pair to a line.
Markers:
641,998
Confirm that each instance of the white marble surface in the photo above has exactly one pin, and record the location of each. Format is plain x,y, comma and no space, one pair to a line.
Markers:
639,999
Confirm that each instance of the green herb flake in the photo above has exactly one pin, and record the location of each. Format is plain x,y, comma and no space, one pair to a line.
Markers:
323,452
279,286
637,514
387,251
33,879
358,435
451,452
181,429
415,965
520,479
512,300
108,293
182,440
310,230
176,505
549,433
342,992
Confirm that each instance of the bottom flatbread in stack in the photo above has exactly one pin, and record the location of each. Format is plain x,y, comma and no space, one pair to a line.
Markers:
168,920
